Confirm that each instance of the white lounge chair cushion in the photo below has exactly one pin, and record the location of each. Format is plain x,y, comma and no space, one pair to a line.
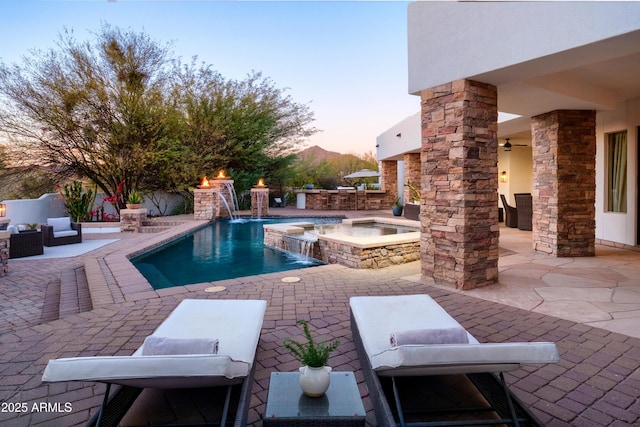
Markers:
162,346
236,323
378,317
60,224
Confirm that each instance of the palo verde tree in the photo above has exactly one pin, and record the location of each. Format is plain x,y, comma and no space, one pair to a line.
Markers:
90,110
120,108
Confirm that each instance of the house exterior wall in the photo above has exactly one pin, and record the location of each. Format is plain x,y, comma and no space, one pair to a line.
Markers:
618,227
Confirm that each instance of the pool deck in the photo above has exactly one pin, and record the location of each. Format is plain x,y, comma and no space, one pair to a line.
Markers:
589,306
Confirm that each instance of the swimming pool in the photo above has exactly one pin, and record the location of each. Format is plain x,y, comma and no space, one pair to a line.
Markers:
222,250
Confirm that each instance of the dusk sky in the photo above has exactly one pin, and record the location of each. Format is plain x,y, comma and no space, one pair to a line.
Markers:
348,60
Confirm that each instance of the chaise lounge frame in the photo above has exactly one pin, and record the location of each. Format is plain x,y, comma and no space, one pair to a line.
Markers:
494,388
174,371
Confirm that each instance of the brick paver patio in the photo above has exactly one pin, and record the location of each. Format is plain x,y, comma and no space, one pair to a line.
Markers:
597,382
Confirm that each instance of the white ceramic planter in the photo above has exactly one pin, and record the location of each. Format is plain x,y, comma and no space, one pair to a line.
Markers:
314,381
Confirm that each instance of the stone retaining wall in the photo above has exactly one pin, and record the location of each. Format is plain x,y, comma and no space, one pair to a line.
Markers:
334,250
345,200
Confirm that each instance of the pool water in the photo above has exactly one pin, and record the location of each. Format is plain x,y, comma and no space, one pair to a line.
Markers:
222,250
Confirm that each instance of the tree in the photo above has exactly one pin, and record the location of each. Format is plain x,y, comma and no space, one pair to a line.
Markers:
237,124
122,109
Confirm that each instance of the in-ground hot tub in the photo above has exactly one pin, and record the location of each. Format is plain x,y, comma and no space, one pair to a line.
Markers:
357,243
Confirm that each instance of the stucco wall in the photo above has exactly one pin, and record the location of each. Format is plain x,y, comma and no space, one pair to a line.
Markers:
618,226
498,35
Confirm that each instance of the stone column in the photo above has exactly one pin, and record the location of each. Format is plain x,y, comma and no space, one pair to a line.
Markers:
459,219
204,204
412,174
132,220
389,175
564,180
5,241
259,201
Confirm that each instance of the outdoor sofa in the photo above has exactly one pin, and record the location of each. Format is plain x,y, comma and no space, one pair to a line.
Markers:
25,243
437,345
202,343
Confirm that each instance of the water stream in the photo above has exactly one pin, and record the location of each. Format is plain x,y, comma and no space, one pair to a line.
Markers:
301,244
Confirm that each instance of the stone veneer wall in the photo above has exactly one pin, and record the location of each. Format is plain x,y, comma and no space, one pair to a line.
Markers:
564,176
5,237
412,173
389,179
131,220
204,204
346,200
368,258
459,219
333,252
259,202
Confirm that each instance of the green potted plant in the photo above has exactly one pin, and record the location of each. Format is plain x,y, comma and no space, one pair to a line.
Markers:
396,208
135,200
314,374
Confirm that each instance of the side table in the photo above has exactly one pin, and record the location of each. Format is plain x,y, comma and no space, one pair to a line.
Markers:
287,406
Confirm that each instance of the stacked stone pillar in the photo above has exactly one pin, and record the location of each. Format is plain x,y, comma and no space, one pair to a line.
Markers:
132,220
564,176
389,181
412,174
259,202
207,202
459,215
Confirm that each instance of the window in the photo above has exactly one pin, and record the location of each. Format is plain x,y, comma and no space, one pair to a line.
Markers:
617,172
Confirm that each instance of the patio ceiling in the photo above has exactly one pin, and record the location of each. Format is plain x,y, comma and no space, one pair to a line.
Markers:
595,77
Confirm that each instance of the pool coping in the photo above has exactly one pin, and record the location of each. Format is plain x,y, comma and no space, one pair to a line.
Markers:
128,283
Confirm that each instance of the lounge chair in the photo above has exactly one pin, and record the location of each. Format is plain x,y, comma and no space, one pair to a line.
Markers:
61,231
524,206
278,203
375,319
510,213
234,324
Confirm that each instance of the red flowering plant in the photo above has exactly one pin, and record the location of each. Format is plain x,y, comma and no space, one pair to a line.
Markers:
100,215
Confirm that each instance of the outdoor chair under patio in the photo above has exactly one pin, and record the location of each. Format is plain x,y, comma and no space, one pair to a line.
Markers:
510,213
61,231
203,343
404,341
524,206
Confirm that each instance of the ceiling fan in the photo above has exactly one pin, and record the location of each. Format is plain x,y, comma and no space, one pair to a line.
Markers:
507,145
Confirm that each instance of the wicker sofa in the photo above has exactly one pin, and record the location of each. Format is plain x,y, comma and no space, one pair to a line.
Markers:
25,243
61,231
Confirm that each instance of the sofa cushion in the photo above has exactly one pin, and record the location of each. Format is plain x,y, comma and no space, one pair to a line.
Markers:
60,224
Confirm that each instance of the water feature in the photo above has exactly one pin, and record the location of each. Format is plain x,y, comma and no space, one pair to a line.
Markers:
301,244
226,203
233,195
224,249
260,197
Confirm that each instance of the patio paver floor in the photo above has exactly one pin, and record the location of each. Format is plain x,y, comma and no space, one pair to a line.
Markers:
597,382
